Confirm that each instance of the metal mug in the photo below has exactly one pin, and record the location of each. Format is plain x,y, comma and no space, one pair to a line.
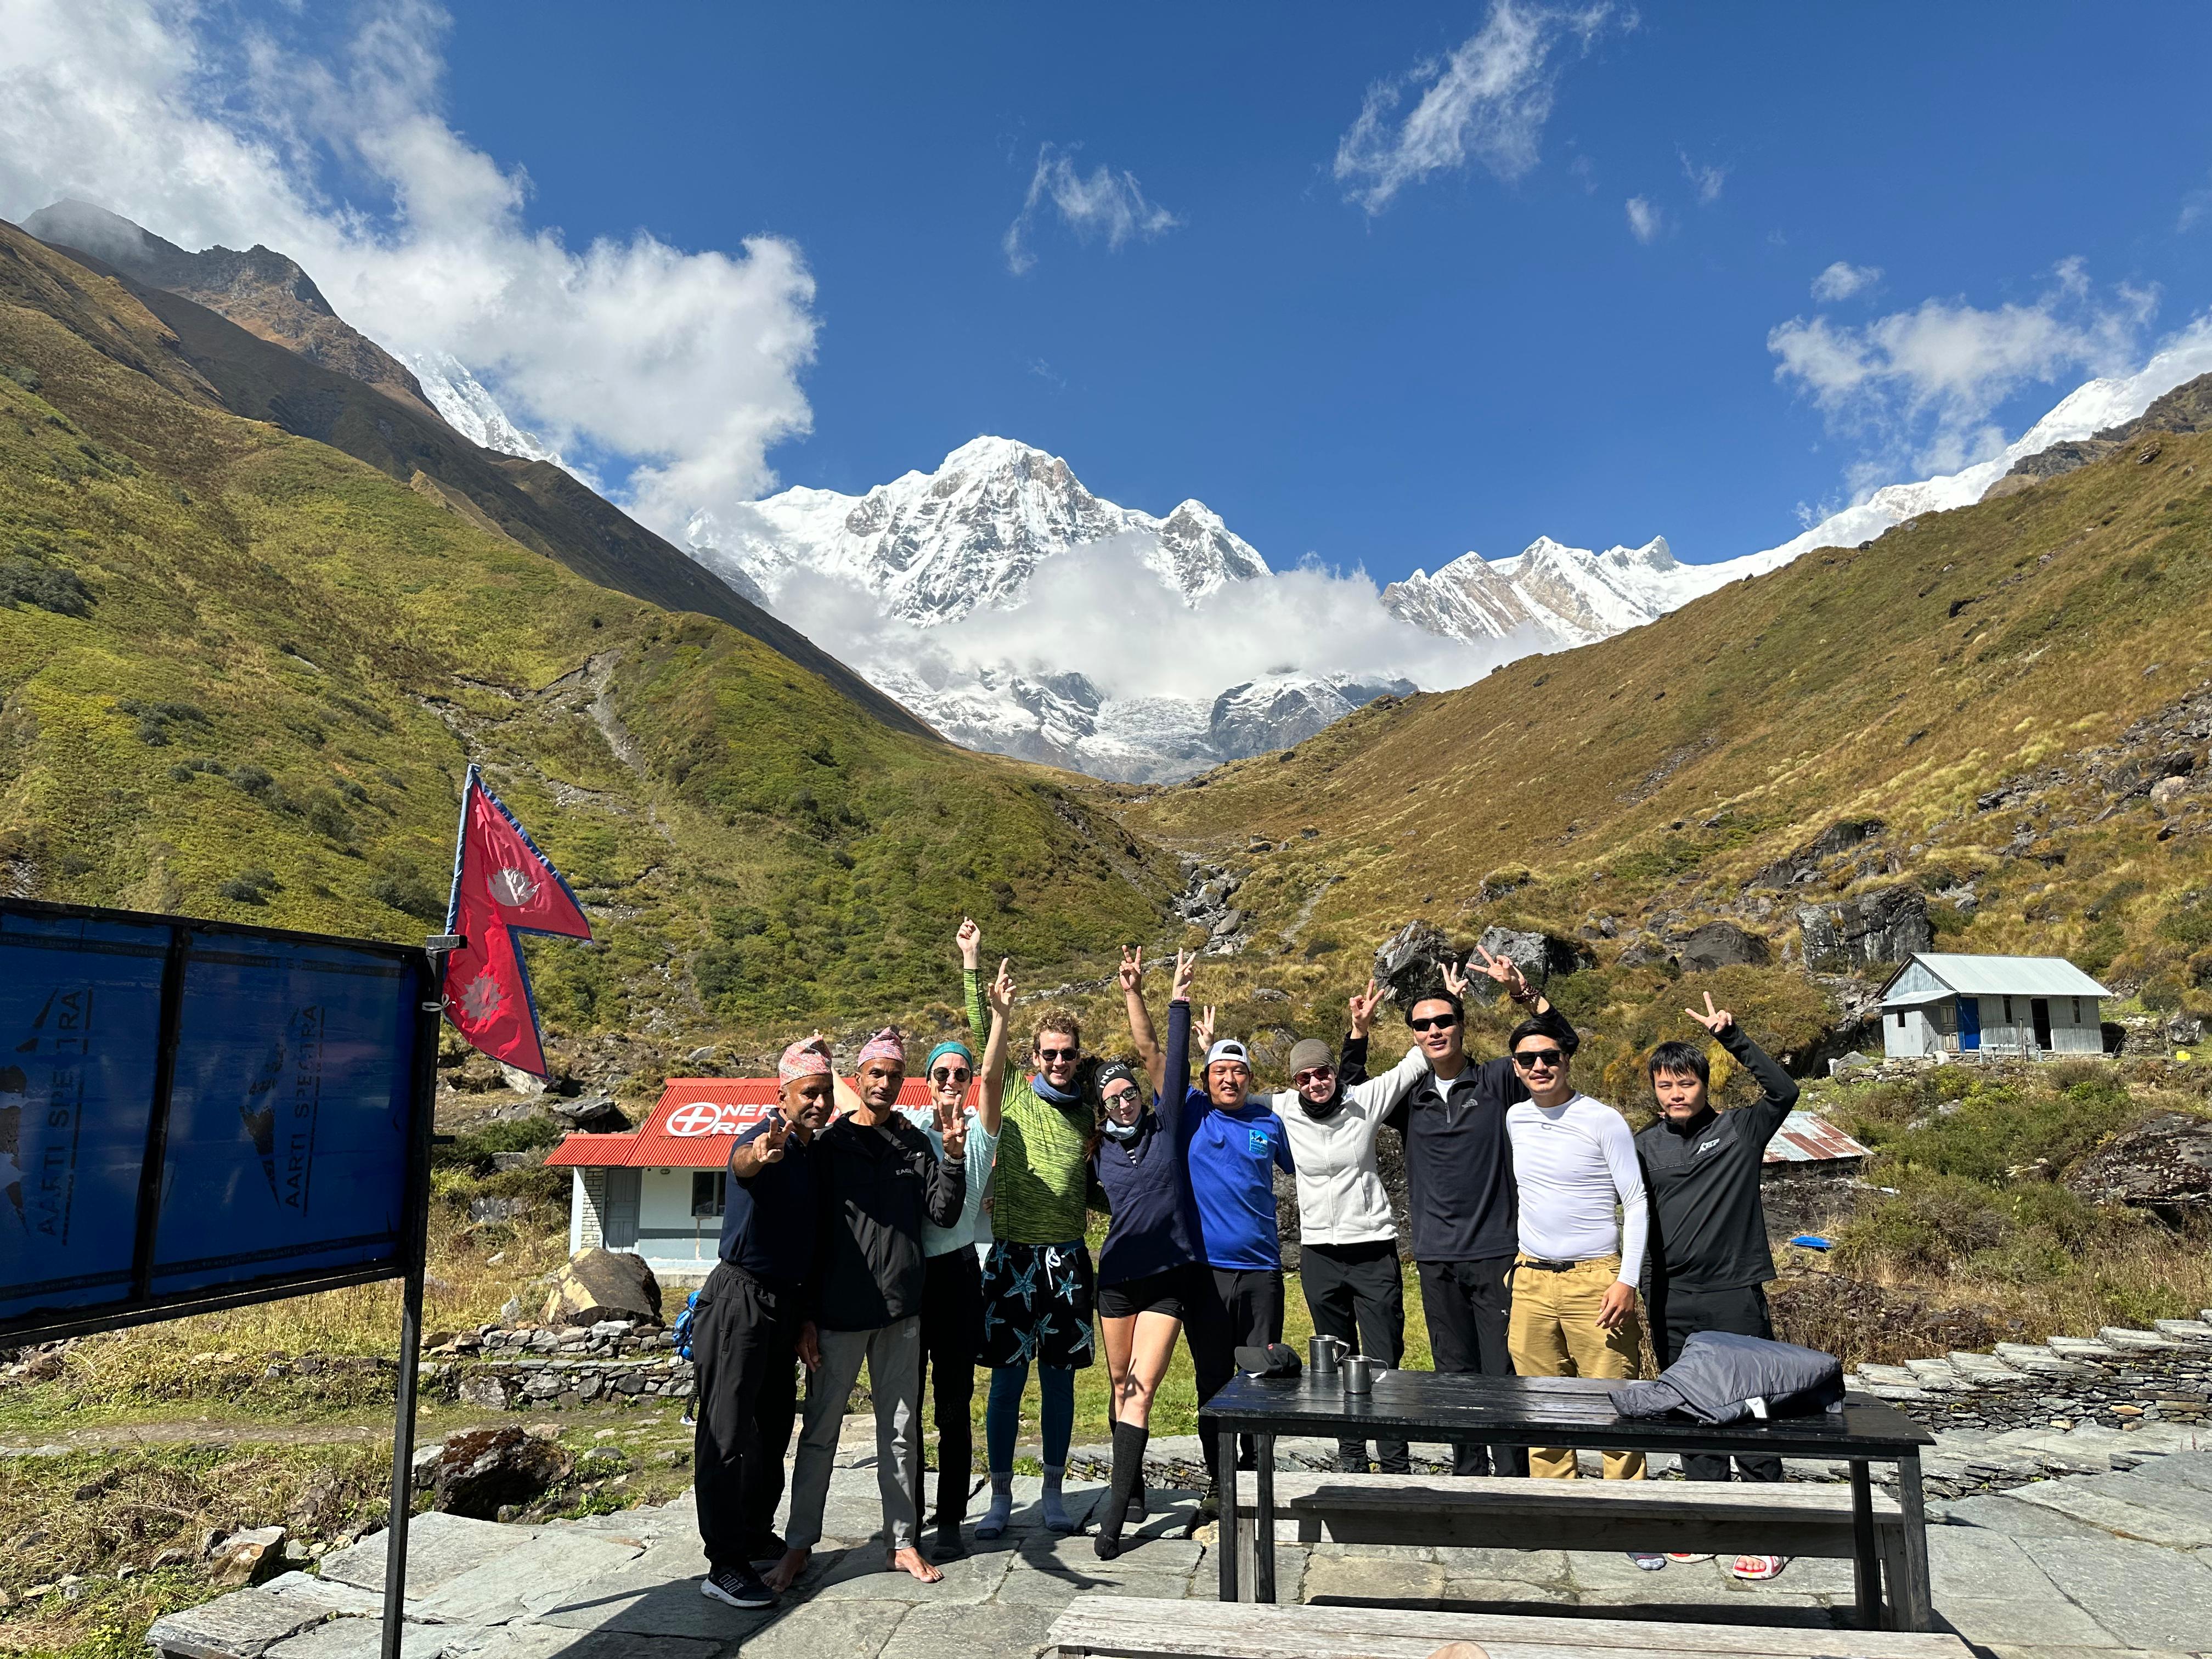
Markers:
1360,1372
1323,1353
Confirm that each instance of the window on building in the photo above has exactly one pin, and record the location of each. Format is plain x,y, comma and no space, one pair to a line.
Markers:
706,1192
1901,1019
2077,1010
2008,1002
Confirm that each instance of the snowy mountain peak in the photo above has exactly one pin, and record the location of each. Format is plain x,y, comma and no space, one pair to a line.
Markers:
1551,594
469,408
934,546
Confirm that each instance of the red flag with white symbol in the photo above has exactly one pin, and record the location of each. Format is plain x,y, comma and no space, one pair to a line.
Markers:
503,887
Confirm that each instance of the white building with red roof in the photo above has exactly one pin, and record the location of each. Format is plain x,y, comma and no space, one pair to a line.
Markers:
658,1189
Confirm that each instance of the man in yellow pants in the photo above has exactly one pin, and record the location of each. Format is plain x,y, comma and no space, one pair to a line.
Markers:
1574,1280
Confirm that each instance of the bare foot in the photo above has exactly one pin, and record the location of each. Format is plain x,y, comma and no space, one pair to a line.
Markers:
785,1573
912,1560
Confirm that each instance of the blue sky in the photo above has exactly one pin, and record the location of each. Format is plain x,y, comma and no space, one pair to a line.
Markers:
1573,328
1480,360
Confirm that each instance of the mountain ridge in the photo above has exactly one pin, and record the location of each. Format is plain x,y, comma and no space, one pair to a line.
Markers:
540,506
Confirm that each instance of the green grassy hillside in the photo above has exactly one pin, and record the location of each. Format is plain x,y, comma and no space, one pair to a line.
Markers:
1998,686
241,674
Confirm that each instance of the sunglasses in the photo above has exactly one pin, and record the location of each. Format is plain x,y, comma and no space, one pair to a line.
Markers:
1050,1054
1321,1075
950,1074
1529,1059
1121,1097
1435,1023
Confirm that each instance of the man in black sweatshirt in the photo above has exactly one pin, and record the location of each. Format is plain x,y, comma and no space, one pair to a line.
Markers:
1710,1259
877,1180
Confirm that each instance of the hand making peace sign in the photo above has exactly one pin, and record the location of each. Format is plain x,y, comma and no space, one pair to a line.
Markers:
1362,1007
1132,971
772,1139
1506,972
1185,970
1714,1020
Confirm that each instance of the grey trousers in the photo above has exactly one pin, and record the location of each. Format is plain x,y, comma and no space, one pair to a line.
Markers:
893,1353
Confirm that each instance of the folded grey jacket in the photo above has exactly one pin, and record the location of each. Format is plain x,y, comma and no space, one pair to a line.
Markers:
1722,1377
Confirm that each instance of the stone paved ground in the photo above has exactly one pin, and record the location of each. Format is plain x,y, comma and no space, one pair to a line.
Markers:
2078,1567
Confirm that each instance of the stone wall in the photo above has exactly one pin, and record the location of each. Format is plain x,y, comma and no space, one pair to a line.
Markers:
542,1367
2119,1379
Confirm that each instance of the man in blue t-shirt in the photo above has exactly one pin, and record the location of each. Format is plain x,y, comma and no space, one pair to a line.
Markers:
1235,1146
744,1330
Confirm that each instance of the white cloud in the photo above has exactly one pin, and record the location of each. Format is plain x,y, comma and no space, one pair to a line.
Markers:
1646,221
681,367
1705,179
1919,387
1840,281
1306,620
1103,204
1488,102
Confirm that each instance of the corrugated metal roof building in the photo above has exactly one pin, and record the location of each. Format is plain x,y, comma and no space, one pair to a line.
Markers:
1949,1004
657,1189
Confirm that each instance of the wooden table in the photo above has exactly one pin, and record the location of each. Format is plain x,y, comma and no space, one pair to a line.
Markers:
1565,1411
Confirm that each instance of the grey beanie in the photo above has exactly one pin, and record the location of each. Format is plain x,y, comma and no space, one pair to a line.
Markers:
1308,1053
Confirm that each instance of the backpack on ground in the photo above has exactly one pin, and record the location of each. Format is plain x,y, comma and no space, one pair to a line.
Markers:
683,1323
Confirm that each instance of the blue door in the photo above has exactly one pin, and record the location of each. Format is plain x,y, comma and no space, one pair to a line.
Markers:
1969,1024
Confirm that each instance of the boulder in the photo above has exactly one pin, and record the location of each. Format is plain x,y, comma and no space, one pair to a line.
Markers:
1886,926
2163,1164
592,1114
600,1283
497,1209
1719,944
484,1469
247,1558
1539,957
1411,962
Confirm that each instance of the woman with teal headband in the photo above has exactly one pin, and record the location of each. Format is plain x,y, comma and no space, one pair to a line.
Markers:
952,1291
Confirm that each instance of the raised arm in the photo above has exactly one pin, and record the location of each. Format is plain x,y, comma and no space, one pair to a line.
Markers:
748,1157
1132,976
1351,1057
1174,1079
1779,1090
1507,974
991,1099
970,940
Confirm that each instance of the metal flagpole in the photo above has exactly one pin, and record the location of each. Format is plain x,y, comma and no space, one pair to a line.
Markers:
428,1011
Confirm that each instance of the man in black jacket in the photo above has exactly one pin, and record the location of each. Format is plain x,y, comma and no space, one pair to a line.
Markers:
1709,1258
877,1180
745,1328
1459,1181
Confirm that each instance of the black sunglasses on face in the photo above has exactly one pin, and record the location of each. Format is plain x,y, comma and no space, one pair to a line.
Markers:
950,1074
1050,1054
1529,1059
1435,1023
1320,1074
1122,1097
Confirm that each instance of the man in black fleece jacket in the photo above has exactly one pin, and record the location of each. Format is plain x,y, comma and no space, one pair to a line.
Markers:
877,1180
1710,1259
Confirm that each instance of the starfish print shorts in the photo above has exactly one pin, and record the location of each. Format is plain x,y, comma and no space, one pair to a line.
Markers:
1038,1305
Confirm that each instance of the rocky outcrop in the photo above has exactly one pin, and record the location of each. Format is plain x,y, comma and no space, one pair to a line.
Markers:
599,1285
484,1470
2163,1164
1719,944
2187,407
1869,930
1804,865
591,1113
1411,961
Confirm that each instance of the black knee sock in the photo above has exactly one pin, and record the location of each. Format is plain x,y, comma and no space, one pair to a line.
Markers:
1129,1442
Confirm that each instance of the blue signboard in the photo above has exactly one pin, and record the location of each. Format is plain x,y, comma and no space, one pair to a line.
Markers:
193,1113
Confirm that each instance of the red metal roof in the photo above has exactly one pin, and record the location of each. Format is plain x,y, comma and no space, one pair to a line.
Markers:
691,1126
1805,1138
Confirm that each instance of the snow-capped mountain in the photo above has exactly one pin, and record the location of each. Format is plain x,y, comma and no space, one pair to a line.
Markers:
467,406
933,546
1552,596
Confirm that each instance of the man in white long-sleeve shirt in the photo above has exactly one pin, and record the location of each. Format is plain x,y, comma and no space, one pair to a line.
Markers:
1574,1280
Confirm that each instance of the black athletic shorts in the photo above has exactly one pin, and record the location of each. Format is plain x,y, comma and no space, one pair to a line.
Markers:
1167,1291
1037,1305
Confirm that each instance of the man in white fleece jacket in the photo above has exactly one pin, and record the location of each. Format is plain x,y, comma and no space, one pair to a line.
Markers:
1347,1241
1574,1277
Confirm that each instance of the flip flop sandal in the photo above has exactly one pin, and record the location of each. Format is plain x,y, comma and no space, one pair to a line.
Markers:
1754,1568
1674,1556
1648,1561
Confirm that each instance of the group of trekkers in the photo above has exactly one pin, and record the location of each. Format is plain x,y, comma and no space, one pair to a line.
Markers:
926,1241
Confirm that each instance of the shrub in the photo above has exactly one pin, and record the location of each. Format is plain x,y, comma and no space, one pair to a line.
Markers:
405,891
251,779
26,581
241,891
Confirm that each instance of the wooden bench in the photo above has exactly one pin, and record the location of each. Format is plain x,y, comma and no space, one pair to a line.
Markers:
1689,1516
1132,1627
